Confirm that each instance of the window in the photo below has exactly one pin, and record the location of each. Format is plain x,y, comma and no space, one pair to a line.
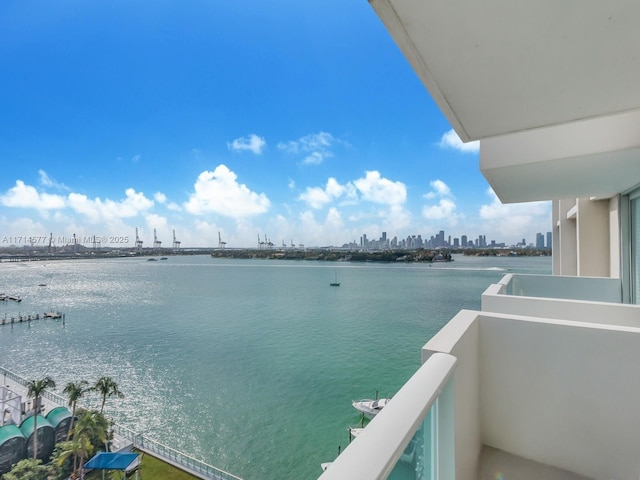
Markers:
630,236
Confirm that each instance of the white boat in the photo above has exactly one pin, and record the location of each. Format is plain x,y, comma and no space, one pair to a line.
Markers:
370,408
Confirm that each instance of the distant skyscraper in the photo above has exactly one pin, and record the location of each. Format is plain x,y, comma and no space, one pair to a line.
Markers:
463,240
549,240
456,242
539,240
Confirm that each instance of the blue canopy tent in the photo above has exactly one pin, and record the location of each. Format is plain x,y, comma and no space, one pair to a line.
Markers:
114,461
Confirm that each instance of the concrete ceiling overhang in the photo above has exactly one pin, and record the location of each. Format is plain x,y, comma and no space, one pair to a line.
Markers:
550,88
591,158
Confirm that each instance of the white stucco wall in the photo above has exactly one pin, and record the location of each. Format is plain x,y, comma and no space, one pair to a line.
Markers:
566,248
557,392
592,224
562,393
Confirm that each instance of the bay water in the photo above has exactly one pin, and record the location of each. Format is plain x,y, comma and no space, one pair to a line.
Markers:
249,365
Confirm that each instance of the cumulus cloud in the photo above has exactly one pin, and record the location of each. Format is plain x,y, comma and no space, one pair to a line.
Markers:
219,192
514,220
445,209
317,197
374,188
252,143
160,197
26,196
98,210
439,189
315,147
451,140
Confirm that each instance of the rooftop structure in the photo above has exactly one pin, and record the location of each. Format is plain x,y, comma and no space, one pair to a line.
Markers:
540,383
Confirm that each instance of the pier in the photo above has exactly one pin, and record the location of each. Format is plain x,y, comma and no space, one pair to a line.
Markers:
28,318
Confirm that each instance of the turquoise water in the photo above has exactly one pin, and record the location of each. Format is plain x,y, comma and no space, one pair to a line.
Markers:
250,365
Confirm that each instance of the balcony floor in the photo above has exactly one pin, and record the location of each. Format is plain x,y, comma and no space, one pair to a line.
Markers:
498,465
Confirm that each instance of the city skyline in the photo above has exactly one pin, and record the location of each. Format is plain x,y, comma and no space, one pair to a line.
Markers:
231,118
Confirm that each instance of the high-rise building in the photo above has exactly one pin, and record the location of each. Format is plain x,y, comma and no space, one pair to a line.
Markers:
539,241
463,240
549,241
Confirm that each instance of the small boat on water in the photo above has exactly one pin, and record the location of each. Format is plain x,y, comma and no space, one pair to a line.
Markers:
152,259
163,258
335,283
370,408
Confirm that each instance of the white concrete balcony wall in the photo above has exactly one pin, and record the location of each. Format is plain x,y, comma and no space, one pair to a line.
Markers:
593,300
561,393
423,406
597,289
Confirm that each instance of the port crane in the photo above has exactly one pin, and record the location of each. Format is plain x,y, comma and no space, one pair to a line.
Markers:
222,244
176,243
157,244
138,244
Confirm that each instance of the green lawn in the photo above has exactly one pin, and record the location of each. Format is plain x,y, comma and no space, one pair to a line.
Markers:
151,468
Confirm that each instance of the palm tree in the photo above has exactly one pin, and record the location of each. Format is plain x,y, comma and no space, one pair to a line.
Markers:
90,431
107,388
74,391
35,389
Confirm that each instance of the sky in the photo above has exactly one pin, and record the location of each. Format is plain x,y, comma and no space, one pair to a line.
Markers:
291,122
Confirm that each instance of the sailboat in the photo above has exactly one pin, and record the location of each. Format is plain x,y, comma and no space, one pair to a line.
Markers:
335,283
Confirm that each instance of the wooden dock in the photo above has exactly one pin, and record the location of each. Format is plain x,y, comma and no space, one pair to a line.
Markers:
28,318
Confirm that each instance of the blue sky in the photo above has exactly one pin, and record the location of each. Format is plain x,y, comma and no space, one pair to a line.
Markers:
298,121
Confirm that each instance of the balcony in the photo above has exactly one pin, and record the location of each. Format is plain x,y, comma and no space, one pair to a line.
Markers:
510,396
582,299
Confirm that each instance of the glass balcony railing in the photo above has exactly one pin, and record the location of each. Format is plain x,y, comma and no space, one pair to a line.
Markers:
413,437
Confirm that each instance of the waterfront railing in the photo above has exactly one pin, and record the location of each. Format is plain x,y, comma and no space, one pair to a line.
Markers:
142,442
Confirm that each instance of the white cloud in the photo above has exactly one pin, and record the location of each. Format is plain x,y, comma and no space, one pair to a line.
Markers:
451,140
98,210
440,189
252,143
136,158
316,147
219,192
325,232
47,181
377,189
314,158
445,209
317,197
174,206
26,196
160,197
512,221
